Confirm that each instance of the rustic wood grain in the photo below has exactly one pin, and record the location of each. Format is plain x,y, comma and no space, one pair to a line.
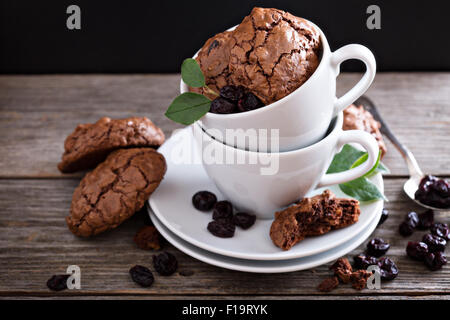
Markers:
38,112
35,244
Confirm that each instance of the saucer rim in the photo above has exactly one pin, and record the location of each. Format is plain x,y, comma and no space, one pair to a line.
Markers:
215,259
281,255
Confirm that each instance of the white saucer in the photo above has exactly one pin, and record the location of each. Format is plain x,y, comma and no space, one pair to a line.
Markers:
265,266
172,204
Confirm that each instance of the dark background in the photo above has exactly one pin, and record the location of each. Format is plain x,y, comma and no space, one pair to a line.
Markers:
155,36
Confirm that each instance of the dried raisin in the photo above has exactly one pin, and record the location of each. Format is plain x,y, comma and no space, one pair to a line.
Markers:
142,276
165,263
244,220
58,282
221,228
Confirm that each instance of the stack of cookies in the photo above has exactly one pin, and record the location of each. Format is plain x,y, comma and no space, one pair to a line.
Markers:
126,171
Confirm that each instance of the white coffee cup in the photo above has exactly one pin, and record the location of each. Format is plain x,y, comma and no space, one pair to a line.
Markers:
303,116
279,179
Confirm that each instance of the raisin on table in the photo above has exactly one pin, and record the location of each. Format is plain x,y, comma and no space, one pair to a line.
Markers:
388,269
377,247
165,263
58,282
426,219
142,276
440,230
384,216
416,250
434,242
363,261
435,261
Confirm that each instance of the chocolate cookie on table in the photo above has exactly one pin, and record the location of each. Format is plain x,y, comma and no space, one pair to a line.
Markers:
89,144
115,190
312,217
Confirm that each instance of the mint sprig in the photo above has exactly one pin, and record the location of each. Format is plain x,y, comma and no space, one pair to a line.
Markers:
189,107
362,188
192,74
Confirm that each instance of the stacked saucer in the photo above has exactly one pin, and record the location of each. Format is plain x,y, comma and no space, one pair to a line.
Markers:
249,250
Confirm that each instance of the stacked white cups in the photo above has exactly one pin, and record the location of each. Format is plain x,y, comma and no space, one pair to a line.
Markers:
265,159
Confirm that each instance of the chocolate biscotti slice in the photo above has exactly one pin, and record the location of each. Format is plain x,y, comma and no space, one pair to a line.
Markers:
90,143
312,217
115,190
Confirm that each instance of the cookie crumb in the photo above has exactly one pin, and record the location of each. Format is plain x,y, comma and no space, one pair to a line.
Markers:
147,238
359,279
328,284
342,269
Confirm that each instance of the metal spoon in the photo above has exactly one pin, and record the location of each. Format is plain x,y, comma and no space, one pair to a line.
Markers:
410,187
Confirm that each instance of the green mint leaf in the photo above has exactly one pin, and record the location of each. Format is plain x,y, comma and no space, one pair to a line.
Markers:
188,108
382,168
363,159
362,189
192,74
343,160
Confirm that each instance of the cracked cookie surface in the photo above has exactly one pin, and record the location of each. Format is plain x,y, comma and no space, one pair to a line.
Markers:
271,53
115,190
312,217
89,144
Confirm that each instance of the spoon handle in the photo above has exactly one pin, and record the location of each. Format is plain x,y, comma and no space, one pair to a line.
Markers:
413,166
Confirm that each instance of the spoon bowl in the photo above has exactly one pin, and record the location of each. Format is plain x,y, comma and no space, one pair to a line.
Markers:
416,175
410,187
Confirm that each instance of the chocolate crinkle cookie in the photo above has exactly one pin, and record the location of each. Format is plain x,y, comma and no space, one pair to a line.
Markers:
271,53
312,217
90,143
115,190
358,118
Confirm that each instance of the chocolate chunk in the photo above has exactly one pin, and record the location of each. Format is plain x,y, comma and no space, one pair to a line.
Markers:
90,144
115,190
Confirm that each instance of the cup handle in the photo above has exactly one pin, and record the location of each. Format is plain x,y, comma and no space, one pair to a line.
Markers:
368,142
354,51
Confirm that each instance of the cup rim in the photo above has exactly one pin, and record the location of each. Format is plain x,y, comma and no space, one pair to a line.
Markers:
325,52
331,133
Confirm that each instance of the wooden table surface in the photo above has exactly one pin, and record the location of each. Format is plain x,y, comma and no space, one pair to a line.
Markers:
38,112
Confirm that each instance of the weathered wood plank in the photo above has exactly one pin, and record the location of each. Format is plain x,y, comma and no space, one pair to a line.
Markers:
214,297
35,243
38,112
